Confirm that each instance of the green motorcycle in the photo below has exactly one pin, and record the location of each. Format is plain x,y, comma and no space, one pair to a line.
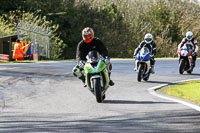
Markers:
96,75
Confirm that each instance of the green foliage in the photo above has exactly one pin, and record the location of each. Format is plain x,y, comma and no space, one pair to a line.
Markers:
8,25
5,27
164,19
120,24
107,23
9,5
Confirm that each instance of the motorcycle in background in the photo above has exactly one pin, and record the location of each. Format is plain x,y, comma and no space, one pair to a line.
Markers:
96,75
143,64
185,59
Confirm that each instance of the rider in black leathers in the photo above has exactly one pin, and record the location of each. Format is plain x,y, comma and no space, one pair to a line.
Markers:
89,43
150,44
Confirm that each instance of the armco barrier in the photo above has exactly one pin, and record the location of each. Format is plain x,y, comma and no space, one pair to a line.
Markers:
4,58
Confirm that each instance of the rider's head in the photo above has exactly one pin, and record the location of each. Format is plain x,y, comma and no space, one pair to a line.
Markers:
17,40
87,34
189,35
148,38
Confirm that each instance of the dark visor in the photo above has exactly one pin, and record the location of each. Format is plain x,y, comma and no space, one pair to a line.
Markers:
87,37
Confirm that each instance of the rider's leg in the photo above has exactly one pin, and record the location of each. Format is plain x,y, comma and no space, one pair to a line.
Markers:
135,68
77,72
111,83
152,62
194,60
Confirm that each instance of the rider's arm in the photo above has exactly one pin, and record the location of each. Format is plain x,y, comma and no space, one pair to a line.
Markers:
102,48
138,48
196,47
182,43
80,52
154,49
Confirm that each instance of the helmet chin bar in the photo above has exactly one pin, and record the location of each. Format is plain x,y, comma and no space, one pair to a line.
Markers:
88,41
148,41
189,38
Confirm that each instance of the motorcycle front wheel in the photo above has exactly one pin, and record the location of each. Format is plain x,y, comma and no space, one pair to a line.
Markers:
97,90
140,72
181,66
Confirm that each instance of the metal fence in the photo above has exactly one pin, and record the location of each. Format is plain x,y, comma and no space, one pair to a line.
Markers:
39,37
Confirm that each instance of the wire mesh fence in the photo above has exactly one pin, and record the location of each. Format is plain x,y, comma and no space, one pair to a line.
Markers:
39,38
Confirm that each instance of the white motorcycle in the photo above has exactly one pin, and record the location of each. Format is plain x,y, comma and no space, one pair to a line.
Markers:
143,64
185,59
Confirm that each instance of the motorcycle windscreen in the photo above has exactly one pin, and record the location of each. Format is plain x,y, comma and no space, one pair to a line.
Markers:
186,50
93,56
143,55
138,56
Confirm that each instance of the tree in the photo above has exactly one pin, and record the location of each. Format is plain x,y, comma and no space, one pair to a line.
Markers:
8,25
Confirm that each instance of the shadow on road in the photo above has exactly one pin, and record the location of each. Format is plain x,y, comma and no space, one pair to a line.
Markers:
178,121
159,82
192,74
134,102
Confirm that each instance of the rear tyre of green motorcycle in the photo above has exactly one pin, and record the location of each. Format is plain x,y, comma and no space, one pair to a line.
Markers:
97,90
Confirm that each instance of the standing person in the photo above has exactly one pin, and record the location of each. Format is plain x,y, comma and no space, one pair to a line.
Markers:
150,44
89,43
18,53
193,41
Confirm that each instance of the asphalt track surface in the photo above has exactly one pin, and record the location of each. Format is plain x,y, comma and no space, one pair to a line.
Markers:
45,97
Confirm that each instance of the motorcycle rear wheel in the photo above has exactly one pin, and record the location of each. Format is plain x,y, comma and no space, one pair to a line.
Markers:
190,71
147,77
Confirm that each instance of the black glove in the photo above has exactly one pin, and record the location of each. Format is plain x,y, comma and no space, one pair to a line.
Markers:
194,54
81,64
152,56
107,60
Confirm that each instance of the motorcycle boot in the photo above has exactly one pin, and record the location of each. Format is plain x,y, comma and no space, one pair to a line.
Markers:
111,83
152,69
82,78
193,63
135,68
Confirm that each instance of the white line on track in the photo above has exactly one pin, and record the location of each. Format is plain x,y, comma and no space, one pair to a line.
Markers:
153,92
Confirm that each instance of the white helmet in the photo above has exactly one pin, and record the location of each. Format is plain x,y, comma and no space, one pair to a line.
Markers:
148,38
189,35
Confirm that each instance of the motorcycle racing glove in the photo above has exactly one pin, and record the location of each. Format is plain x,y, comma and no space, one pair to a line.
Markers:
107,60
81,64
194,54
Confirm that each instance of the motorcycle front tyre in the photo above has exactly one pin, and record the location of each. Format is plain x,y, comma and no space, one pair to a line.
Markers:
97,90
181,66
140,72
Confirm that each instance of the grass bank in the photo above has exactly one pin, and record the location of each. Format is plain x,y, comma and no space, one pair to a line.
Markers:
187,90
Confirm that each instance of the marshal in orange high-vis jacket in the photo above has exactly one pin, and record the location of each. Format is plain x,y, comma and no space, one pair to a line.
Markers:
18,53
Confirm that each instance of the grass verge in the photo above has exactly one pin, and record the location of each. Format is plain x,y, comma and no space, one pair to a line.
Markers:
187,90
